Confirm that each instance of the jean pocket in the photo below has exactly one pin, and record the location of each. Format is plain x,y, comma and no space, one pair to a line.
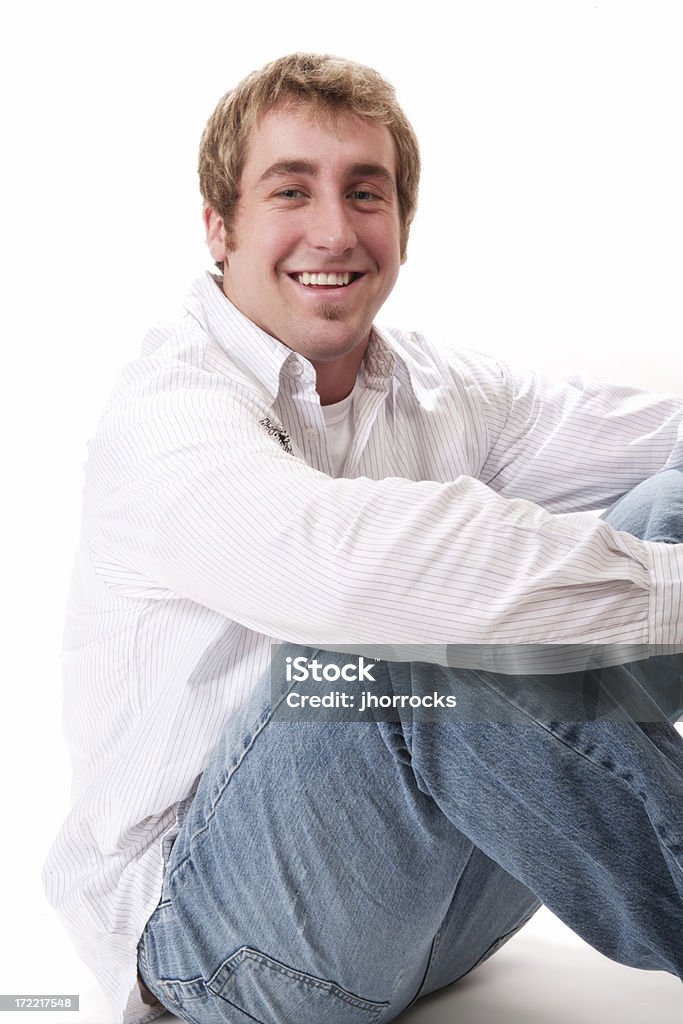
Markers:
273,993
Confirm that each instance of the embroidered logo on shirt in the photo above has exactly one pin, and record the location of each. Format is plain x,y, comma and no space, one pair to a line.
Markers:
275,431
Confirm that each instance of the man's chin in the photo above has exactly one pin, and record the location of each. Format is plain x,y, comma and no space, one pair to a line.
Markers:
330,311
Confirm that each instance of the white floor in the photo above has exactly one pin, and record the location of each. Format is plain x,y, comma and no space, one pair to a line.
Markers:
545,975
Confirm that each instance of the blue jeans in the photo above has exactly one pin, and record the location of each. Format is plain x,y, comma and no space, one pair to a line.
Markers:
335,872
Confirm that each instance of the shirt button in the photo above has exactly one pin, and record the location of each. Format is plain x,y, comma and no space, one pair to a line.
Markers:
295,369
311,433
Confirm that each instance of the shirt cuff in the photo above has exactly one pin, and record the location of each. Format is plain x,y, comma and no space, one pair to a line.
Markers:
666,593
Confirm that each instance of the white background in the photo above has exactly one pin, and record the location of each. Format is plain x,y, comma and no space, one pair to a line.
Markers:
550,231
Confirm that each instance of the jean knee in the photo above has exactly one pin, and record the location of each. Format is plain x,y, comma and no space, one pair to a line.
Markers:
653,510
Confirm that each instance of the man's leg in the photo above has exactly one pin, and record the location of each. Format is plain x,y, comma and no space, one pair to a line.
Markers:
334,870
312,877
652,511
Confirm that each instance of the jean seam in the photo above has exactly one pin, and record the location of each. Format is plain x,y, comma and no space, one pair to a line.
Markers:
495,946
436,941
613,773
260,725
145,975
617,775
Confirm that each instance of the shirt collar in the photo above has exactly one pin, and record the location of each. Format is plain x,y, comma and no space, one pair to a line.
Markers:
255,351
266,358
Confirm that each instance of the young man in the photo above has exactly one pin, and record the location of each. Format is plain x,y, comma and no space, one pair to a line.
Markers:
277,468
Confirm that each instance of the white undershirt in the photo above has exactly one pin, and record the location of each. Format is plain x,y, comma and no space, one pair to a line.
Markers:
339,430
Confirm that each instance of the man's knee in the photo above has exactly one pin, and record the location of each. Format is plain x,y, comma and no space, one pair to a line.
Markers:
653,510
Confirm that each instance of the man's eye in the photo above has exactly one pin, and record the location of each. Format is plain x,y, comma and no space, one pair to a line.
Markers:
290,193
364,195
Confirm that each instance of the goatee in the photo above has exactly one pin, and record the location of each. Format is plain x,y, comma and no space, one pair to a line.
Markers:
330,312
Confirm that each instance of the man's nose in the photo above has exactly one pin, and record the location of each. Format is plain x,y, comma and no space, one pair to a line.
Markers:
331,226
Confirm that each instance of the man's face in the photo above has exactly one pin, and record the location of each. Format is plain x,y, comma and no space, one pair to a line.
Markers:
317,232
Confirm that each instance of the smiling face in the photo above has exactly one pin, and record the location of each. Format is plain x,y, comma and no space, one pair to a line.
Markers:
317,240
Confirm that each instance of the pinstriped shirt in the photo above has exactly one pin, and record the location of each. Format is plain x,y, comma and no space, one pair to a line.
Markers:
212,526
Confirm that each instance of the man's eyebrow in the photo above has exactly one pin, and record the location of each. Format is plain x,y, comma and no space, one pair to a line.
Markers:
284,167
372,171
361,170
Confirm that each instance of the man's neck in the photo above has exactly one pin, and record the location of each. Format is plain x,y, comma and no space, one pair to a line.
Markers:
336,379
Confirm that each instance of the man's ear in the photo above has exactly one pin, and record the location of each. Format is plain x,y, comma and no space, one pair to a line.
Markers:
215,235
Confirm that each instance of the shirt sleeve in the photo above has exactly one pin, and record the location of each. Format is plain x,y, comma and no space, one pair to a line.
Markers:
578,443
189,496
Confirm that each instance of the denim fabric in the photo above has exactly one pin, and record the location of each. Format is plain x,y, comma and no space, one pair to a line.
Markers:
336,871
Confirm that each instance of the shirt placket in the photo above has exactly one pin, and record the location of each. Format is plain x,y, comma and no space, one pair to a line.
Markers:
369,400
298,408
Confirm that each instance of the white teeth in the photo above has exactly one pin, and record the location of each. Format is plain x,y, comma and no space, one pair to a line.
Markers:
324,279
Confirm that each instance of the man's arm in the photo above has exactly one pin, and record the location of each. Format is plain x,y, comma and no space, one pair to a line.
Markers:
568,445
189,496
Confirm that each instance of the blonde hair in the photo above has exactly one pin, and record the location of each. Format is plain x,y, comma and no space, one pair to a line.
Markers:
331,86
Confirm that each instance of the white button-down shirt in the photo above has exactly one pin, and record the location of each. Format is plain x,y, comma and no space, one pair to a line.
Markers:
213,526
